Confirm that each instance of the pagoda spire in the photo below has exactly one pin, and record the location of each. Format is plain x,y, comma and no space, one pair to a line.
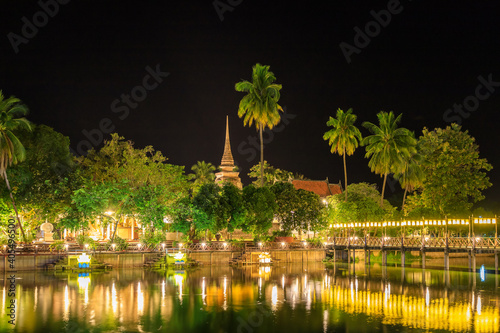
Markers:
228,172
227,157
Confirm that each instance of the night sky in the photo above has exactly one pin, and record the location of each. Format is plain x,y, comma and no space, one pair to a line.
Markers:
76,71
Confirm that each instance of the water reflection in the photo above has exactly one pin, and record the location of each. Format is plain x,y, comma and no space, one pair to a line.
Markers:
295,298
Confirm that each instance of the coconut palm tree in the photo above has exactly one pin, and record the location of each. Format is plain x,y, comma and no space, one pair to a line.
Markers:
260,104
203,173
12,151
344,137
388,146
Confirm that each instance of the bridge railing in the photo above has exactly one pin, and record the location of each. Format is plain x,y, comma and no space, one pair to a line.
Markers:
418,242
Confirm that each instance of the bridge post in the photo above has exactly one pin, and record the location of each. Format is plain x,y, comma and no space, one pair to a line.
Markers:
384,253
446,260
495,246
469,255
402,251
354,256
367,259
496,261
473,261
422,254
348,250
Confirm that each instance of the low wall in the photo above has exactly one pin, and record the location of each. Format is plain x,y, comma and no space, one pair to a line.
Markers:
125,259
223,257
214,257
28,262
31,262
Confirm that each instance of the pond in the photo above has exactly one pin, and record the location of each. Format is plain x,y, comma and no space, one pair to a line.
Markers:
308,297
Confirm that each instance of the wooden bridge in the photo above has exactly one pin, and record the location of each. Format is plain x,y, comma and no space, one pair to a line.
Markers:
423,244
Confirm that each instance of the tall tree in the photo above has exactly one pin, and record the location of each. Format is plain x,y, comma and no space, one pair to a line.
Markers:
454,174
260,104
260,204
44,182
129,182
12,151
344,137
388,146
203,173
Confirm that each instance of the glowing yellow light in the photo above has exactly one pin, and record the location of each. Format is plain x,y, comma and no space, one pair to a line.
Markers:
264,257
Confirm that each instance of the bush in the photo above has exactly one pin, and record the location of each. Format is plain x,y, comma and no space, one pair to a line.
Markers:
83,239
315,241
281,233
152,240
58,245
120,244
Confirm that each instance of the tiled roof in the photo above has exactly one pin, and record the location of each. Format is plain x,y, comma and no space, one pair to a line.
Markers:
320,187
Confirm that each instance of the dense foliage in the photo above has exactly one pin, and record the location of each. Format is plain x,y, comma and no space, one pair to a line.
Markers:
454,174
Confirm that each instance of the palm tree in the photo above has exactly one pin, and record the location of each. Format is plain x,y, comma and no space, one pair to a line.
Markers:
388,146
260,104
203,173
412,176
344,137
12,151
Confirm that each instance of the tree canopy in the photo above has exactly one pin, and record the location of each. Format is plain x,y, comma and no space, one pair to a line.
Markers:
454,174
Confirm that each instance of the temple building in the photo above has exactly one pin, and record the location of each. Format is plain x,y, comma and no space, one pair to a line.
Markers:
323,188
227,168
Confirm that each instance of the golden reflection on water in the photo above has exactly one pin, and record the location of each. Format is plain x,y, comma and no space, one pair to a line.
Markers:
123,300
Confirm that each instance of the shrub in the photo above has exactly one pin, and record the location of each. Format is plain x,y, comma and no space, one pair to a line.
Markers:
58,245
152,240
120,244
83,239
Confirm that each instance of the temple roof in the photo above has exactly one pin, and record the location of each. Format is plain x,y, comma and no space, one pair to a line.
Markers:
227,157
320,187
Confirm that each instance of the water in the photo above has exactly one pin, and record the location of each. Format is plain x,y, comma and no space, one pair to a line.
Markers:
284,298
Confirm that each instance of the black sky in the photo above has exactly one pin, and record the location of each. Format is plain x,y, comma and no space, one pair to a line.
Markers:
426,59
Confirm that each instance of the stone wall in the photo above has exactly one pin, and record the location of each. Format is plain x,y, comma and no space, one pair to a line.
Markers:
223,257
31,262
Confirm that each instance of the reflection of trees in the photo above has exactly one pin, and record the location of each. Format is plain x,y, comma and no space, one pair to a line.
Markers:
213,298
